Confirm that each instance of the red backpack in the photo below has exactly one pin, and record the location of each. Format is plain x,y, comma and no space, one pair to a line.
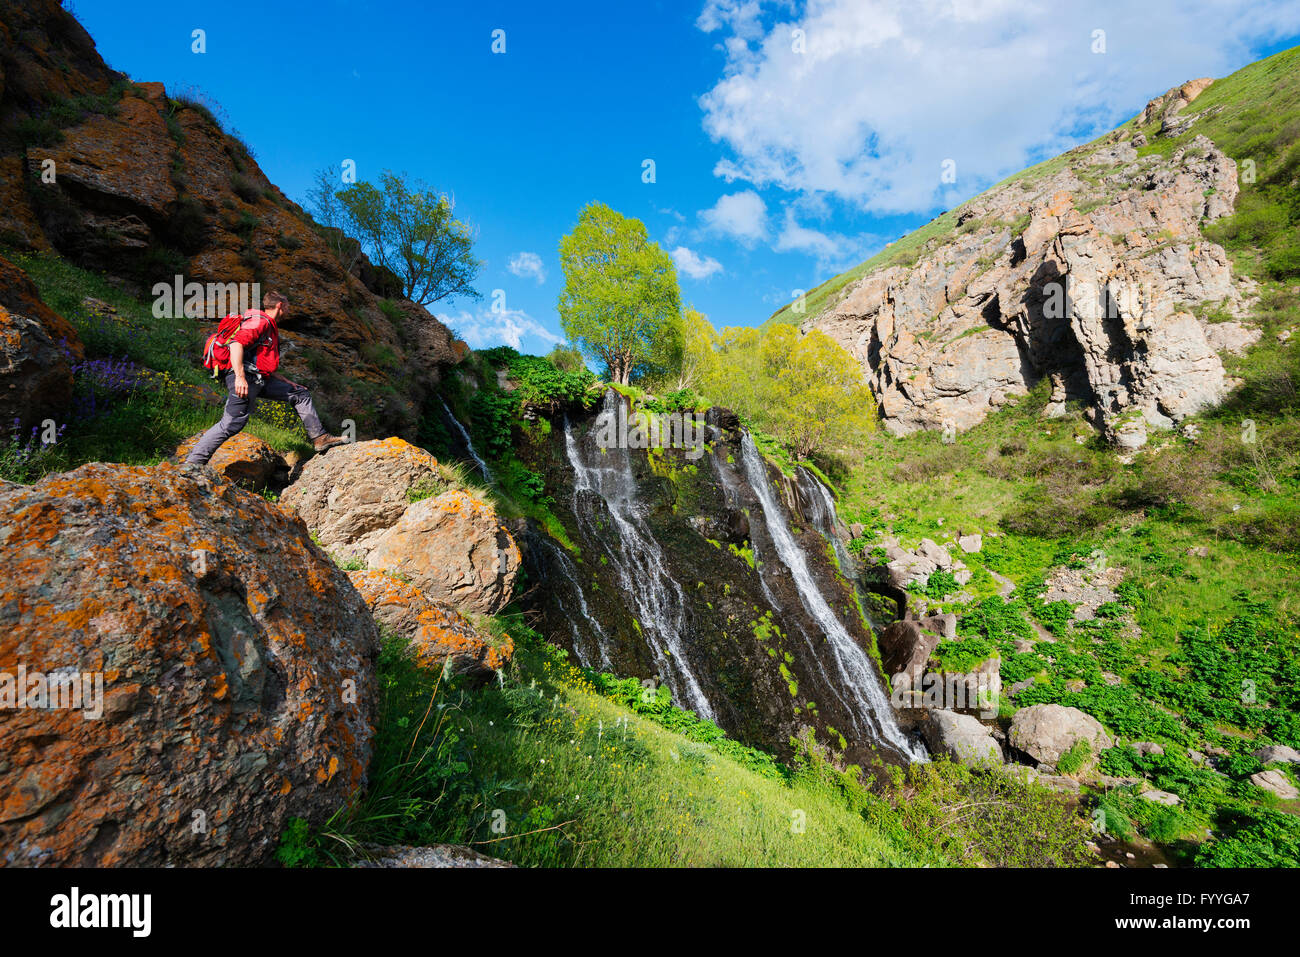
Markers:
216,350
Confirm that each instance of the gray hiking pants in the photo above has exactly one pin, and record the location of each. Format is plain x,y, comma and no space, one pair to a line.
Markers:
238,410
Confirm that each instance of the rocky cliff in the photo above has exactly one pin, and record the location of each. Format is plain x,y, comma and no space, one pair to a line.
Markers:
144,185
1090,270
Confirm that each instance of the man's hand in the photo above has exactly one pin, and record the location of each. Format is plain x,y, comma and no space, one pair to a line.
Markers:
289,382
241,385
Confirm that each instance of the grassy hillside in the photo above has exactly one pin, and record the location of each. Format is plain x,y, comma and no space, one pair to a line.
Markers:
555,766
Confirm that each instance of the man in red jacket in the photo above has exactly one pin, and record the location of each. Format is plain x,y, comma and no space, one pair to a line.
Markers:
254,359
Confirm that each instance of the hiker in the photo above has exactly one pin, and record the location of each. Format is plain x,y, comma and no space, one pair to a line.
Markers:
254,355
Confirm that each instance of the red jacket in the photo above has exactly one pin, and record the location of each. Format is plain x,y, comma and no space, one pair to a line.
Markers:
258,328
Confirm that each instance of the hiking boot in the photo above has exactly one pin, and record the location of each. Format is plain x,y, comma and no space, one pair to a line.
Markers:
327,441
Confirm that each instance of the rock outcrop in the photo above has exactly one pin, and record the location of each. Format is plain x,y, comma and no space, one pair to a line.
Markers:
1047,731
395,507
437,634
1085,275
37,348
226,671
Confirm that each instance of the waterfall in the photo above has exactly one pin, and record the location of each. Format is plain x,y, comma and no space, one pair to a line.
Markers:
570,572
857,672
821,509
469,445
638,560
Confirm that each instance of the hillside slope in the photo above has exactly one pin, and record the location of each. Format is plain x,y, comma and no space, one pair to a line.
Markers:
970,311
143,185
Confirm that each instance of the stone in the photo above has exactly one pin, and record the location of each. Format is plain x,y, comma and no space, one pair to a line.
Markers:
358,499
973,323
1047,731
1275,781
37,349
961,737
433,855
437,634
1275,753
236,661
962,576
970,544
1156,796
454,549
1148,747
934,552
245,460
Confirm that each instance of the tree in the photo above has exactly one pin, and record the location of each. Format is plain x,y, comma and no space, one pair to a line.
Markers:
409,230
331,217
699,358
819,398
620,302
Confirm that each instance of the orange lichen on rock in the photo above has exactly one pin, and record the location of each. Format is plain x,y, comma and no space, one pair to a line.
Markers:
436,633
222,678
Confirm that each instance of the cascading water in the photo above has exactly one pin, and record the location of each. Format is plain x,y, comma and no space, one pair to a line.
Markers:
570,573
857,675
821,508
469,445
637,558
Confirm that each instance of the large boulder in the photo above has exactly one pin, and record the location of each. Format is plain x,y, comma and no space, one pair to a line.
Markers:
906,646
1046,731
1275,781
226,665
397,508
245,460
961,737
437,634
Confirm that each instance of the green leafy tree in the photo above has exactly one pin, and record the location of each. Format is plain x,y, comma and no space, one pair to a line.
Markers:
620,303
409,230
819,399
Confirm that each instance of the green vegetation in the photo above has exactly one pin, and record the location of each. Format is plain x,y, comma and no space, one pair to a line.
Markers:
620,303
554,766
406,228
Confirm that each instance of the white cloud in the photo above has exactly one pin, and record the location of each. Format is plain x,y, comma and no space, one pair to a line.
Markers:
741,216
694,265
887,90
527,266
833,251
485,328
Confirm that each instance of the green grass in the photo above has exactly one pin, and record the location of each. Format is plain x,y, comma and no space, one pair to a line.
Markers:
545,771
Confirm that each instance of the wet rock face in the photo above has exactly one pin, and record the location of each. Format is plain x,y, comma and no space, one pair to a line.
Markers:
235,669
761,660
1085,277
364,500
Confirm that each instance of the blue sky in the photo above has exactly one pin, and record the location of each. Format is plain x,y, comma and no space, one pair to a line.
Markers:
790,140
